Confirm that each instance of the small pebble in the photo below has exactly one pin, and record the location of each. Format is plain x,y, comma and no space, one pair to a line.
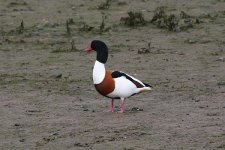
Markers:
85,109
55,134
221,59
16,124
136,109
22,140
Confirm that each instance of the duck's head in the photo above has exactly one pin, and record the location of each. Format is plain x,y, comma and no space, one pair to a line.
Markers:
101,49
96,45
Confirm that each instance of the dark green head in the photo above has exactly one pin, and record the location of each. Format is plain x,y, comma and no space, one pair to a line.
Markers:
101,49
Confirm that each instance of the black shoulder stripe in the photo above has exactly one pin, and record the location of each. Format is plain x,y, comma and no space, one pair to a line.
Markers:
117,74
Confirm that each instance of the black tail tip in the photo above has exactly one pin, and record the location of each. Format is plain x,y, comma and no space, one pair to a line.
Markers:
148,85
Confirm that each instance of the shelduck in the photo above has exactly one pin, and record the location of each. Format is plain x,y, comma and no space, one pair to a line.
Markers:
113,84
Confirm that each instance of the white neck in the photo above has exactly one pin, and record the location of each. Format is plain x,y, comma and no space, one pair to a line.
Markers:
98,72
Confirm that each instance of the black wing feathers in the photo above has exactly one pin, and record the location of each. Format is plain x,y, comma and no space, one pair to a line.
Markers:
147,85
117,74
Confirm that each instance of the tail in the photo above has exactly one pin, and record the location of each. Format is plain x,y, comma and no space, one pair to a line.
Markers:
147,87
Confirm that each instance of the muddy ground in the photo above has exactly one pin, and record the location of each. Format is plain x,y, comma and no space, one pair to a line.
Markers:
47,99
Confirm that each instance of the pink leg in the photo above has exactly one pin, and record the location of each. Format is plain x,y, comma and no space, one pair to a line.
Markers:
122,109
111,108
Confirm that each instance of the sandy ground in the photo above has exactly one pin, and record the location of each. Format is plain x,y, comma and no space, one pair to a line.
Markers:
47,99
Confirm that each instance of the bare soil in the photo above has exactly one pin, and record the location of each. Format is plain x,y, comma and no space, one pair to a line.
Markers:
48,101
